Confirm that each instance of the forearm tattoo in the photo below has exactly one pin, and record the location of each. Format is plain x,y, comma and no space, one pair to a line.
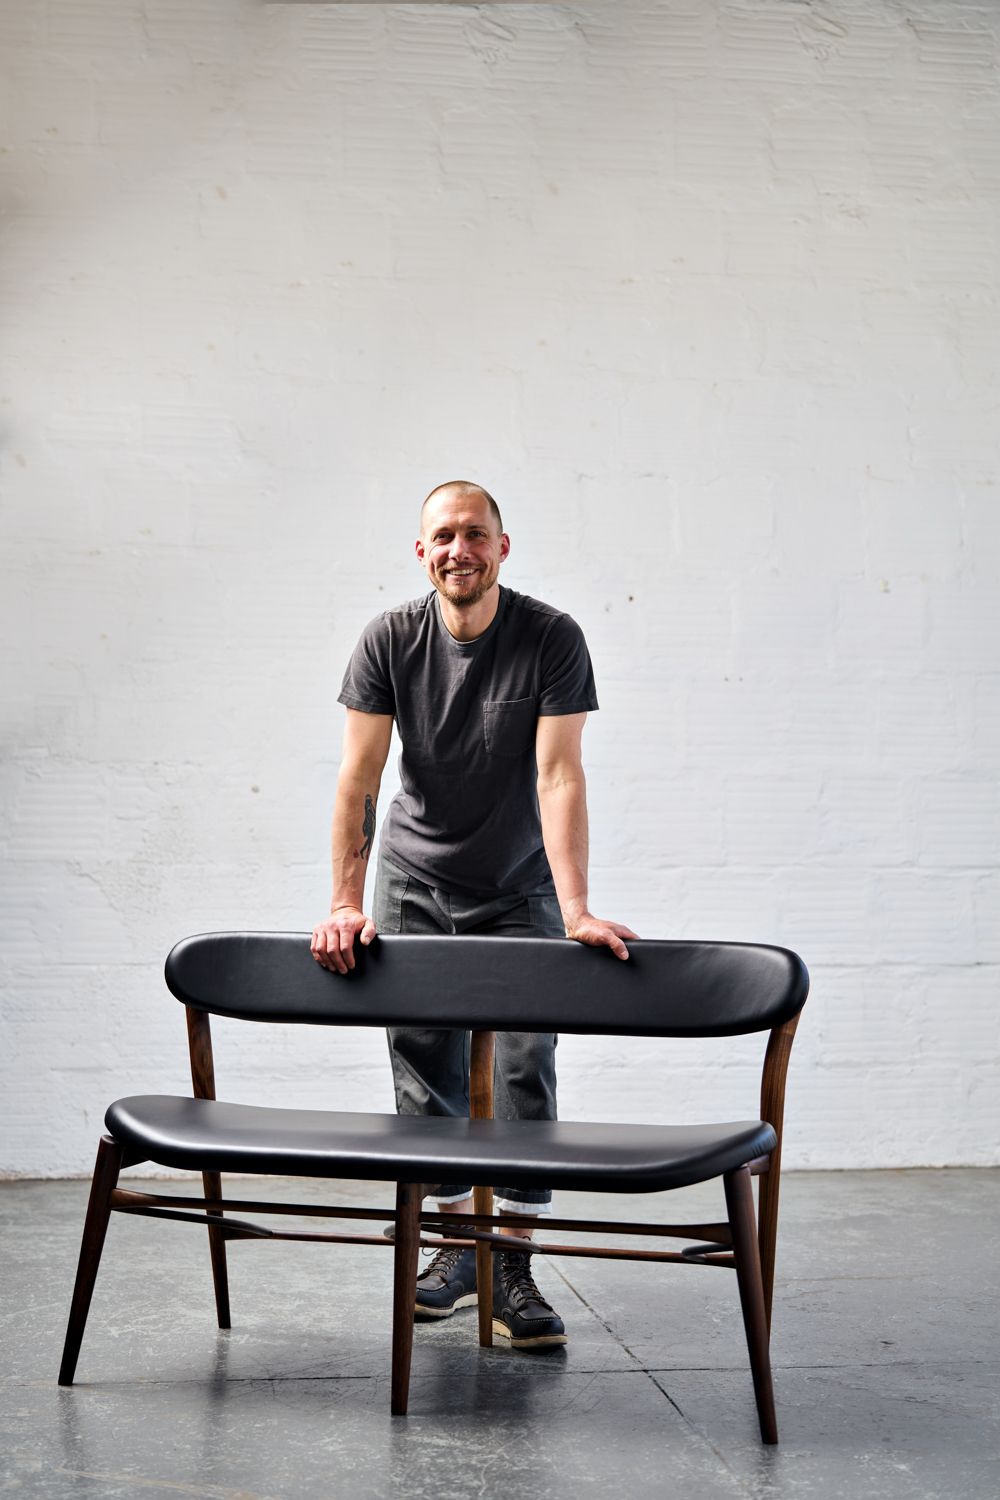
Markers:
368,829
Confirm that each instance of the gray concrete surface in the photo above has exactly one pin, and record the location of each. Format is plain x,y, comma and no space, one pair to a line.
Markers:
884,1345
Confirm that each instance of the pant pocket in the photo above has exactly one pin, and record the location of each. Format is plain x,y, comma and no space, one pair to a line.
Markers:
544,915
387,905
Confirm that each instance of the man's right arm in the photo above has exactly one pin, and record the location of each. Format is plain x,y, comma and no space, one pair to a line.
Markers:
366,749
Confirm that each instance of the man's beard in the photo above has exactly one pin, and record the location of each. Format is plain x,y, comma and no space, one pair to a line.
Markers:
466,601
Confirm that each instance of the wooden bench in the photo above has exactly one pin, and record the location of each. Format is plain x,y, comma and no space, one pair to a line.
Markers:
482,985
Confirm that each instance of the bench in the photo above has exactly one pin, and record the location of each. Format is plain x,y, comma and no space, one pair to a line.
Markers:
481,985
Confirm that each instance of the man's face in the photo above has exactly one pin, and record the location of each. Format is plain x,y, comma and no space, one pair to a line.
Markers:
460,548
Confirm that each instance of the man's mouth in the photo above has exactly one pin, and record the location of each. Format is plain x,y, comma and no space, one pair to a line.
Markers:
460,572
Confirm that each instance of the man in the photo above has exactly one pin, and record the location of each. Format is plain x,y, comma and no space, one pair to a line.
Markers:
490,690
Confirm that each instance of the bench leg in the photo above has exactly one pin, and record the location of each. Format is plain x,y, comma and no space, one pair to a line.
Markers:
739,1203
482,1050
409,1199
217,1250
483,1203
109,1164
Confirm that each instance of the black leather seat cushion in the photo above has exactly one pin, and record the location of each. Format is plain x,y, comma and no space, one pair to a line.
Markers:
206,1135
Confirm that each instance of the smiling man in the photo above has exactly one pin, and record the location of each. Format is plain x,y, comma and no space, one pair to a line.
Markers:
490,691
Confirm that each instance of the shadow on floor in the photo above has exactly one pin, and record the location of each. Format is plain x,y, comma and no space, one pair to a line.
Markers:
884,1347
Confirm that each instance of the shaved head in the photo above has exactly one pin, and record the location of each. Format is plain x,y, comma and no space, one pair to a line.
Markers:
462,489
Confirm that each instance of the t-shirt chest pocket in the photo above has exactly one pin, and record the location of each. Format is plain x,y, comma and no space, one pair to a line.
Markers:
509,727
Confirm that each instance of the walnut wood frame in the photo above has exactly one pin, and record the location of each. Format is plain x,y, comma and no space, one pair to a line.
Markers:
734,1245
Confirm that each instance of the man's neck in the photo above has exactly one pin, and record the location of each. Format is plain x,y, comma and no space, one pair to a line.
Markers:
469,622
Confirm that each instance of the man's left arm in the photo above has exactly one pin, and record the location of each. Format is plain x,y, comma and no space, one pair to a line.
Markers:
562,801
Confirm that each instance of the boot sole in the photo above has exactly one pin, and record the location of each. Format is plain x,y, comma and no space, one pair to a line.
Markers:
422,1311
543,1341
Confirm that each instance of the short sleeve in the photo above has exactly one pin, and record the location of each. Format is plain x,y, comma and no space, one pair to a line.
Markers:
367,684
567,674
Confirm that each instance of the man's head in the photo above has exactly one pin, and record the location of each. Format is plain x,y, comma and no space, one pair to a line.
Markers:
462,541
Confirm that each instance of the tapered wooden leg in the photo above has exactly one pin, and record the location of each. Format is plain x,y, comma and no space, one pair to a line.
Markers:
199,1025
739,1202
772,1109
481,1058
109,1164
407,1253
482,1198
768,1186
217,1250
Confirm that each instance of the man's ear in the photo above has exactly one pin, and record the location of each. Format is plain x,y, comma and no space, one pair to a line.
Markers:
420,549
504,547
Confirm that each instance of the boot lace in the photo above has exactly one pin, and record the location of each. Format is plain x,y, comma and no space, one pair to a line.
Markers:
444,1262
517,1280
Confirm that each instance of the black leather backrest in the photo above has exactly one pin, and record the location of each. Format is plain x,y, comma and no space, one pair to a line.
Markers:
495,984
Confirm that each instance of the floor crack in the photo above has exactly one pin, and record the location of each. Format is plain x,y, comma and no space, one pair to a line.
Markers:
645,1370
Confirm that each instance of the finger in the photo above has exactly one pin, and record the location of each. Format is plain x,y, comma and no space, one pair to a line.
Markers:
334,959
626,932
368,933
617,947
347,950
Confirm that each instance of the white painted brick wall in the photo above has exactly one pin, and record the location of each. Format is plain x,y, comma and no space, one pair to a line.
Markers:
705,291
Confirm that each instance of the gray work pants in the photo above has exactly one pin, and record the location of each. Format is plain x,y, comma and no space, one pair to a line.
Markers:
430,1068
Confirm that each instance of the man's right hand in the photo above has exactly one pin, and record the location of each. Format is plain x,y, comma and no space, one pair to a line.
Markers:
333,940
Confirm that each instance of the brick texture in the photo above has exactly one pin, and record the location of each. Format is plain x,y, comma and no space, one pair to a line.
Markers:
706,292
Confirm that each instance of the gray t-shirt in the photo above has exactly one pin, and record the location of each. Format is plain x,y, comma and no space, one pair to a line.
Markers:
466,818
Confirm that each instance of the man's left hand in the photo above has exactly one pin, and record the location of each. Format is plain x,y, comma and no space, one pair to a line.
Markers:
598,934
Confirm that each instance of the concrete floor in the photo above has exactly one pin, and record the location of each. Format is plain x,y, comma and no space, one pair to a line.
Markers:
884,1345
